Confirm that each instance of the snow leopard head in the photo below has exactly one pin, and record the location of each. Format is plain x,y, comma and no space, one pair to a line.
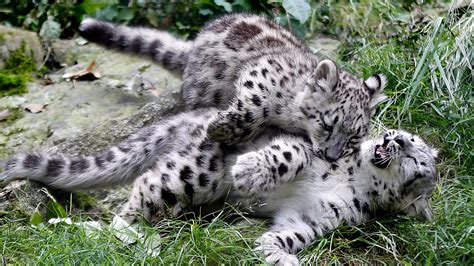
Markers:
407,165
338,108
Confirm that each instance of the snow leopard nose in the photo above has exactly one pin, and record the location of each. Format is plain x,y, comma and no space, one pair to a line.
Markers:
332,154
398,139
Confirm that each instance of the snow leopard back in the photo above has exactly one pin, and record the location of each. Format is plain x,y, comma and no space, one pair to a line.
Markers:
211,63
223,48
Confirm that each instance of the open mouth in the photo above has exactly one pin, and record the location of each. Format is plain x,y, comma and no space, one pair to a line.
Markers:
381,157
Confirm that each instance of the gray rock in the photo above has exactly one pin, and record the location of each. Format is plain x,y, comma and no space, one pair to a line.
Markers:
88,116
12,39
325,46
21,198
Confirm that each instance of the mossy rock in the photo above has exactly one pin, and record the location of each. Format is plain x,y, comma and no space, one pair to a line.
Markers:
18,66
12,39
84,117
12,84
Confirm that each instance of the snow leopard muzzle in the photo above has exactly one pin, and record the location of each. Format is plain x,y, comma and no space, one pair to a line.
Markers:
383,154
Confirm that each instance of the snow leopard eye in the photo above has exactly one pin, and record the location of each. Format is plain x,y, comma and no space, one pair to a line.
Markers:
327,127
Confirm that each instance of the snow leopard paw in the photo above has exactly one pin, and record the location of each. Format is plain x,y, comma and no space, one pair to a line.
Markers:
226,128
283,259
268,245
250,176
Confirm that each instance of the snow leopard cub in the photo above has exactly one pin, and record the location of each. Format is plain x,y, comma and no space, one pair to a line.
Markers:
260,74
174,165
395,173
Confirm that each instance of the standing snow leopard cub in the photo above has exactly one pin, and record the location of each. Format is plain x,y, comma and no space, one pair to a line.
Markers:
260,74
174,165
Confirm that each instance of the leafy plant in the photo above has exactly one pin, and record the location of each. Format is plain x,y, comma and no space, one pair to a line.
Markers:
184,17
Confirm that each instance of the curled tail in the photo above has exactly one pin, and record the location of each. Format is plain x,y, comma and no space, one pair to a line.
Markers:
171,52
119,164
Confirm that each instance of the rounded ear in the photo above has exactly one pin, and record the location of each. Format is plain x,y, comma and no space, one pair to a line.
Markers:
374,85
435,153
326,74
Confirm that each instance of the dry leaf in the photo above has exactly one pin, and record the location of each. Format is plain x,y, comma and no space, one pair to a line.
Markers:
85,74
34,107
147,85
4,114
131,234
47,81
81,41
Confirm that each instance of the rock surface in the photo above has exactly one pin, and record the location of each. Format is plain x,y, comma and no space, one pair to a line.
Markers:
12,39
118,103
325,46
85,116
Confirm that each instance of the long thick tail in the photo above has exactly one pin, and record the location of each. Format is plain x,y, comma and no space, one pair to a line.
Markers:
119,164
171,52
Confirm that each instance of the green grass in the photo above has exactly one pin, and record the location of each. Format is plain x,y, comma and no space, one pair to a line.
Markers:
431,89
191,242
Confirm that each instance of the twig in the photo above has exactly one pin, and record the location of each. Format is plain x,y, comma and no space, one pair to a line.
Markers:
45,59
289,21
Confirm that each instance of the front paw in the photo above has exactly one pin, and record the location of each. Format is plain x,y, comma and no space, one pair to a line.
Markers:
220,131
283,259
268,245
250,176
226,128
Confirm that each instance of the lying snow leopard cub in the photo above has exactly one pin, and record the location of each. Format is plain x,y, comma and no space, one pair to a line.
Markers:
396,173
176,166
265,74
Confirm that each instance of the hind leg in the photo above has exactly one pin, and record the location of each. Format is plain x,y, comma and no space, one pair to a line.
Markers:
145,199
133,210
153,199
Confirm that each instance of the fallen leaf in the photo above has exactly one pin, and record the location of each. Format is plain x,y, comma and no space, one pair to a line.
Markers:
81,41
4,114
90,227
34,107
60,220
47,81
85,74
127,233
147,85
133,234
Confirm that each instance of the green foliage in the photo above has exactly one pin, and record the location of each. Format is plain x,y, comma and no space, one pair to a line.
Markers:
15,113
16,72
32,14
184,17
11,84
182,243
19,62
299,9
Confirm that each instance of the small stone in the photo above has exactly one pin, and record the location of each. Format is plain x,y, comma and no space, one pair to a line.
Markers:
4,114
325,46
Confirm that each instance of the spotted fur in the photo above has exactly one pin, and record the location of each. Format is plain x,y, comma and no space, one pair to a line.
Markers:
323,195
277,176
260,74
